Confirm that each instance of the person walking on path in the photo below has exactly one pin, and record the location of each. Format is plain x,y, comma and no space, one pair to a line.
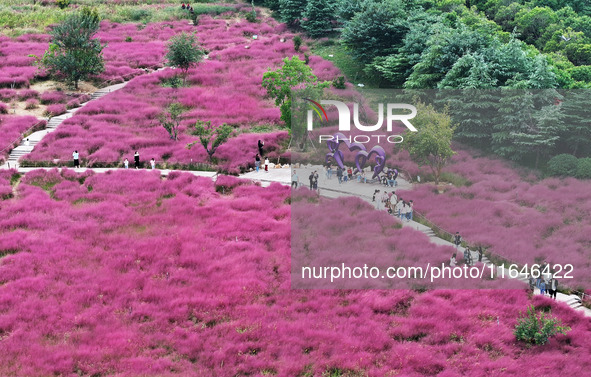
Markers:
340,174
410,210
457,240
480,253
384,200
136,159
126,163
452,260
311,179
328,170
378,198
294,180
532,284
153,163
543,287
257,162
76,157
267,164
315,180
27,142
260,145
553,287
467,257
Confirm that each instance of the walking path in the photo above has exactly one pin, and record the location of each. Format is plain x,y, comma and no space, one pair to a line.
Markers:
52,124
332,189
327,187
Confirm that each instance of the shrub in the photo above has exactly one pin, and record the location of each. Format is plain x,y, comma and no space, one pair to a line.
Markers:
251,16
297,42
31,103
128,39
562,165
339,82
3,108
63,4
534,328
584,168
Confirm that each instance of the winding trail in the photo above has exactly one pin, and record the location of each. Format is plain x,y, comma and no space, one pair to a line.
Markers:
327,187
52,123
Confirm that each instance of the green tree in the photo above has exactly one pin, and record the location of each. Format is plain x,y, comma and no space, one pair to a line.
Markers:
210,137
443,51
536,328
317,18
73,53
346,9
279,84
184,52
291,10
431,144
576,137
529,123
171,119
533,23
377,30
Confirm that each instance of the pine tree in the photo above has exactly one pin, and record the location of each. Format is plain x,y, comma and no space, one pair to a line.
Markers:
291,10
576,135
318,17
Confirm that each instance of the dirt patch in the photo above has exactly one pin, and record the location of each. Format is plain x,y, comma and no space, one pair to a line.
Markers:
19,109
50,85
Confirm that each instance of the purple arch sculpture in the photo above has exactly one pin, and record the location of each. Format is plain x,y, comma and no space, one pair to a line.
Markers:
362,155
380,159
335,153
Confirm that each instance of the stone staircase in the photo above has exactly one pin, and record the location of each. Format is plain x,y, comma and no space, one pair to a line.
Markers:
52,124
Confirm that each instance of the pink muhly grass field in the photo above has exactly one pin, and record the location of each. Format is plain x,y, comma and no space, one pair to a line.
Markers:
126,273
11,129
519,216
226,88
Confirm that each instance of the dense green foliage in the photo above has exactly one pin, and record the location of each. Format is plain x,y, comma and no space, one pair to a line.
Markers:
279,84
453,44
184,52
584,168
318,16
563,165
171,119
73,52
534,328
291,10
210,137
431,144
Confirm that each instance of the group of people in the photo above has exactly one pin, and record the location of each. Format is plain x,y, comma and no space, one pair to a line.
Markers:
394,205
346,174
468,259
136,159
547,286
258,156
187,7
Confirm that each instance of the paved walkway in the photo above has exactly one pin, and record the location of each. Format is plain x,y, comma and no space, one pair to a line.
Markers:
332,189
35,138
328,187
